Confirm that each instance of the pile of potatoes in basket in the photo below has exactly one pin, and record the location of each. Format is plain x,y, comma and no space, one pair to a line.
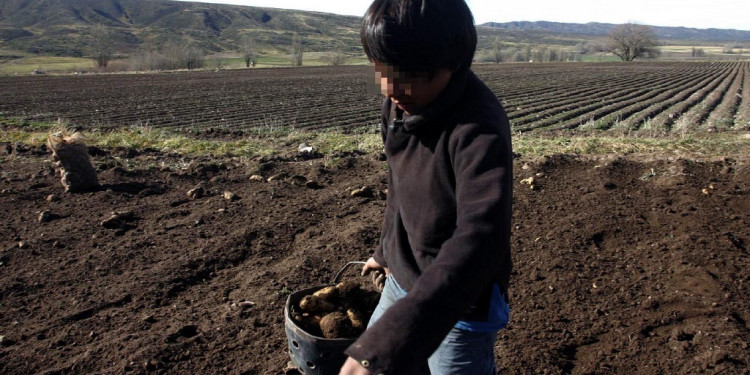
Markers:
340,311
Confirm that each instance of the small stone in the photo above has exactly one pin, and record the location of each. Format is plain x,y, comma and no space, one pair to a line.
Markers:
305,148
246,304
277,177
311,184
230,196
299,180
52,198
257,177
363,192
528,181
151,365
4,341
117,220
196,193
23,245
45,216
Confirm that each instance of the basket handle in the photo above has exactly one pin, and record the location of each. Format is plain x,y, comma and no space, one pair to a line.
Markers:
338,274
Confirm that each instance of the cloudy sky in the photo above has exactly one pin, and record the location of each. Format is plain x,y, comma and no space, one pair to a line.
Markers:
702,14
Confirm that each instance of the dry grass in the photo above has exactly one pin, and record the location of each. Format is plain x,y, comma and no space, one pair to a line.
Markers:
331,142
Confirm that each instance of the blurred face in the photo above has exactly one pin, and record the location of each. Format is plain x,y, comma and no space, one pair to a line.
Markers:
411,92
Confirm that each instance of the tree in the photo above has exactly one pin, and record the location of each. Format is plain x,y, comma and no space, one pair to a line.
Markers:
100,46
247,47
192,56
631,41
497,50
335,58
182,55
297,50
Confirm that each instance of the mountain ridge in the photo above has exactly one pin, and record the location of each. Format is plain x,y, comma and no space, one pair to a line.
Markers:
602,29
64,27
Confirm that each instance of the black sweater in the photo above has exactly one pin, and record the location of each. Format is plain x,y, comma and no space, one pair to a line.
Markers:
446,231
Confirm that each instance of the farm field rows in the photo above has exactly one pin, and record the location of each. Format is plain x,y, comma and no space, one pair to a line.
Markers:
623,260
652,98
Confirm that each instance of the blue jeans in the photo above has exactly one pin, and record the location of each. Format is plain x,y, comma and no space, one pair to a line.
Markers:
461,352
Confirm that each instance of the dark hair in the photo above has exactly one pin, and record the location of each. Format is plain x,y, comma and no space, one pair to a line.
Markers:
420,35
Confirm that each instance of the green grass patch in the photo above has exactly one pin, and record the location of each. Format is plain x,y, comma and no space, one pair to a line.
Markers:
688,145
329,142
48,64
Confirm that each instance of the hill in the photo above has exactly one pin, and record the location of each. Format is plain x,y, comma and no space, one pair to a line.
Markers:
64,28
602,29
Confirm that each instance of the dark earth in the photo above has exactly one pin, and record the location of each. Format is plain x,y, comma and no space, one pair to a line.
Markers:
623,263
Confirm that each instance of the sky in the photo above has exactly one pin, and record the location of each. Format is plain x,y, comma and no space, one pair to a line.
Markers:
701,14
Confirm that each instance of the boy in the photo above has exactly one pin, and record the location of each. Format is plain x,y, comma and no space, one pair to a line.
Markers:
445,243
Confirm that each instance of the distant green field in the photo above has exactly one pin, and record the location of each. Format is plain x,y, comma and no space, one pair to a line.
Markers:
50,64
56,64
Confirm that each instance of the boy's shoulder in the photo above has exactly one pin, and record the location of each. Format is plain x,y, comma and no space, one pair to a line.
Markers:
478,104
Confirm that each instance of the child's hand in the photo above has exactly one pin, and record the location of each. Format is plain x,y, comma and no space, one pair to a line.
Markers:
352,367
378,273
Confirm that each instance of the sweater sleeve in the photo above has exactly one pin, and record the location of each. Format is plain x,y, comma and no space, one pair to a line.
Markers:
407,333
384,118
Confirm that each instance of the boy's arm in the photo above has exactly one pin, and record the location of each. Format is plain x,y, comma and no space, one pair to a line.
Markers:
389,207
468,262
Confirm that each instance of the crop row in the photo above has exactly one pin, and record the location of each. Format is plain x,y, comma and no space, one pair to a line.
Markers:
653,97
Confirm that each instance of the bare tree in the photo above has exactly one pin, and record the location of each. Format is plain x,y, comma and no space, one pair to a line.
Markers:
540,54
335,58
497,50
527,53
193,56
297,50
100,46
182,55
247,47
632,41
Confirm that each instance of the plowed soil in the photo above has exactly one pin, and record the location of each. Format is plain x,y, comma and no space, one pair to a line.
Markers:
623,264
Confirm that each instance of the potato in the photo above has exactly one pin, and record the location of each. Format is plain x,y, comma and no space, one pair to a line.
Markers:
358,320
348,288
308,322
313,304
363,300
342,311
328,293
336,325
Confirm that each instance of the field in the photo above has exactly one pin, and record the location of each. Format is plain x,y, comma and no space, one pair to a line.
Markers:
651,98
624,261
